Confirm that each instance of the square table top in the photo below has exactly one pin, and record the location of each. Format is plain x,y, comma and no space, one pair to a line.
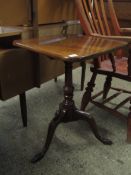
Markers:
71,48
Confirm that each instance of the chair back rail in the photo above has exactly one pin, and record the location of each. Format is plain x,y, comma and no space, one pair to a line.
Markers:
93,15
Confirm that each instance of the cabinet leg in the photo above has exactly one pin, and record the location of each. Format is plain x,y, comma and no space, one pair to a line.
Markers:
23,108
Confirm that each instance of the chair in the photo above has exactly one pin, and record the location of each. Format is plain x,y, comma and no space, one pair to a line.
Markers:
93,18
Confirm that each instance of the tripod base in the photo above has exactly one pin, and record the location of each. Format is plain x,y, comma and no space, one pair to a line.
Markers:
64,116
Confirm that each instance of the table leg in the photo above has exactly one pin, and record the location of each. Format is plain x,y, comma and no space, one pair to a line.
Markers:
68,113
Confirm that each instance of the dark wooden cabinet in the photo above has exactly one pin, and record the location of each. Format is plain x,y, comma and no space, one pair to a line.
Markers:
17,12
123,11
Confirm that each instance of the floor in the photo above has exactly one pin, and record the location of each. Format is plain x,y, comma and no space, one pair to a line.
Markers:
74,150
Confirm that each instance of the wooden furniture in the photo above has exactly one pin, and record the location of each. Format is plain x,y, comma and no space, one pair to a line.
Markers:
8,69
95,23
23,16
14,80
18,12
123,12
70,49
63,11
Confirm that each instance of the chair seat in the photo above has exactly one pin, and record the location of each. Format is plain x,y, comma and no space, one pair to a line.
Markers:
121,65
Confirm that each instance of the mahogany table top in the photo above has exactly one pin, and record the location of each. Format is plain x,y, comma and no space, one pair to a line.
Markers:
72,48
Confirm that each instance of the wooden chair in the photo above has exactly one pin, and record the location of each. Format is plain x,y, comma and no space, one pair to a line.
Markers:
93,17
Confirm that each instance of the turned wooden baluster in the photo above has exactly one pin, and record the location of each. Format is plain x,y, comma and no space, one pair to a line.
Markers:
89,89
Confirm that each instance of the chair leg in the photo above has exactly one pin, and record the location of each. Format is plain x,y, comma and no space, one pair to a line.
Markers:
23,108
89,89
83,66
55,79
119,53
107,86
129,126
